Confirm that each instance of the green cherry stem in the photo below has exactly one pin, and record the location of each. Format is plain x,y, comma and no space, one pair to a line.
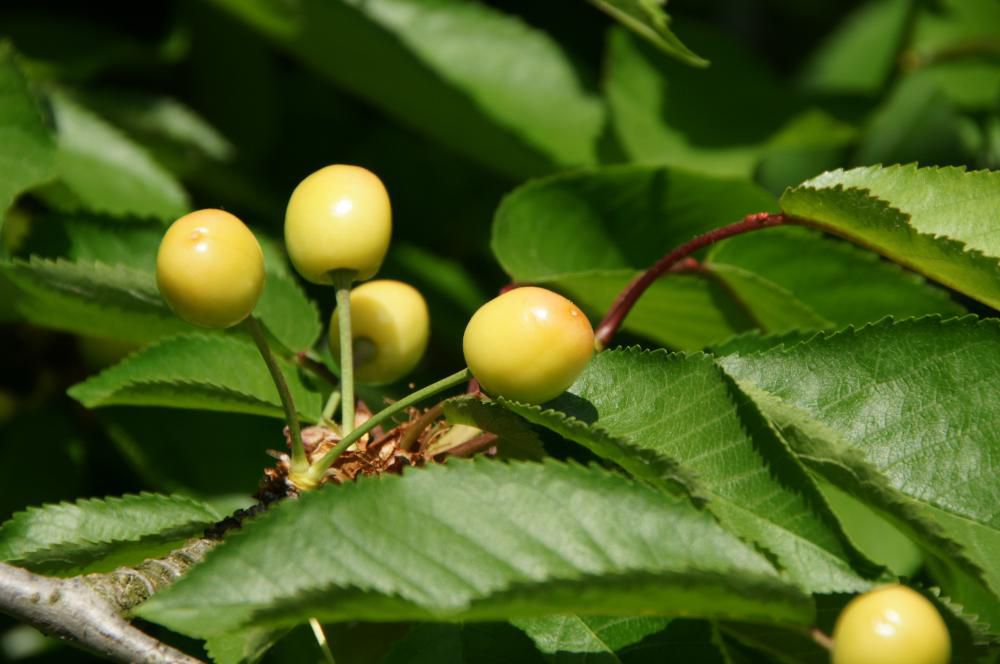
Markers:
821,638
321,641
299,460
342,280
311,478
331,406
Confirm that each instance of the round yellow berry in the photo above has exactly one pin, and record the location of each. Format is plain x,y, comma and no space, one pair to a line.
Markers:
210,269
338,218
890,625
528,344
389,325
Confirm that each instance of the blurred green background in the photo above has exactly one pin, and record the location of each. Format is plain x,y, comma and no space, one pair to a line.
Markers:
230,103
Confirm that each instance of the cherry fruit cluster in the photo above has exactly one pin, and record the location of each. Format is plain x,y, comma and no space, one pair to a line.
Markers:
528,344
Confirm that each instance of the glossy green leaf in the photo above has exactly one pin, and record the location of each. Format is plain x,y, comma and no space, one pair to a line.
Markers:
900,415
207,372
106,172
680,409
588,634
771,307
939,222
100,534
872,533
27,151
647,19
495,541
463,73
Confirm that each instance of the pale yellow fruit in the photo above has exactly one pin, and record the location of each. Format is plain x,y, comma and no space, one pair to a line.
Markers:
338,218
390,326
210,269
890,625
528,344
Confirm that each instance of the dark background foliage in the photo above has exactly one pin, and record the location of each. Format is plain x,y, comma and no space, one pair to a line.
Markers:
270,117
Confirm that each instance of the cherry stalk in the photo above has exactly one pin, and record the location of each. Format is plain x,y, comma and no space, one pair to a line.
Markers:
678,259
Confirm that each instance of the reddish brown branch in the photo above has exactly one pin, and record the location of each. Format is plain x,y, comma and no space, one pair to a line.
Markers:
676,260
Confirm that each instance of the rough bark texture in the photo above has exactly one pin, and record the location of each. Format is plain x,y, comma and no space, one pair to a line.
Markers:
78,610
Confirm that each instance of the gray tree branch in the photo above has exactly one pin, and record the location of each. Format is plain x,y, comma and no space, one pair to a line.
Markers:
91,611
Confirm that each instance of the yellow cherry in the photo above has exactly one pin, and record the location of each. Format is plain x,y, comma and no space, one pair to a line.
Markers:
528,344
390,326
210,268
890,625
338,218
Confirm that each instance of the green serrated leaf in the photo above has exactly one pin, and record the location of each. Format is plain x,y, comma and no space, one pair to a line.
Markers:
82,237
106,172
647,19
939,222
773,309
588,634
100,534
755,341
467,59
104,269
841,283
681,409
971,637
901,415
95,299
495,541
515,439
27,150
207,372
